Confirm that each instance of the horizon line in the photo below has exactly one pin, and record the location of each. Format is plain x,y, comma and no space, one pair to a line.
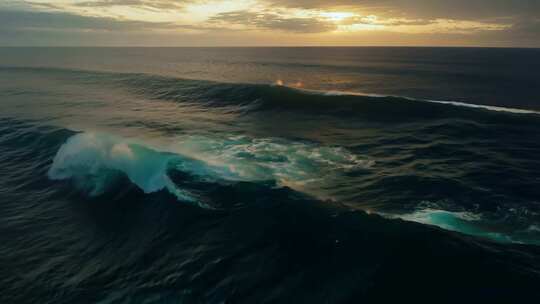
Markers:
271,46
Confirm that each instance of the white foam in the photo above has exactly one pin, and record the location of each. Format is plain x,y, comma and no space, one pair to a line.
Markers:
446,102
298,165
92,159
485,107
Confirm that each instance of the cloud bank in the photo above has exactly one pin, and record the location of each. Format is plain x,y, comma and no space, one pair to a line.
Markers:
514,23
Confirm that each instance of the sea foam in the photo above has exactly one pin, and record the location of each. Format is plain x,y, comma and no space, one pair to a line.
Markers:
94,160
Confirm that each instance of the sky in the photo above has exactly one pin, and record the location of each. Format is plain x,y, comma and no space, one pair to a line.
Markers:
487,23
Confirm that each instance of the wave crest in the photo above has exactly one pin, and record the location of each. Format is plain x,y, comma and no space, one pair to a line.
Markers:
94,161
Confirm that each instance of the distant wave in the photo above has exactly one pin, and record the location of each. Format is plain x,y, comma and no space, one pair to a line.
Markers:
263,97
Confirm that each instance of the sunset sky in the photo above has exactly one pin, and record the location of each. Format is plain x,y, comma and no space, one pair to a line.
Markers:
504,23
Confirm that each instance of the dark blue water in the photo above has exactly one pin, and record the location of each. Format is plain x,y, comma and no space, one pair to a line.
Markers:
250,175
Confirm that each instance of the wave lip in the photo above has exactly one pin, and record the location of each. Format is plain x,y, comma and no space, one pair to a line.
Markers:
95,160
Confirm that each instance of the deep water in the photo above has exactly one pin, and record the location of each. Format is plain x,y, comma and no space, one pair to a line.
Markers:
127,181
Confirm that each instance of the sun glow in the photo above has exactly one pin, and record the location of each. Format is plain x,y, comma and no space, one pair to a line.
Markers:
337,16
360,27
263,20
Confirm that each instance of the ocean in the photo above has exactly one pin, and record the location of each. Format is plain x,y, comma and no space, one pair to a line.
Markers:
269,175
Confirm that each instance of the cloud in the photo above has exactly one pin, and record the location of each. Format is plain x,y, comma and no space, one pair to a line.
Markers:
527,28
500,20
154,4
28,20
373,20
274,21
523,33
431,9
302,22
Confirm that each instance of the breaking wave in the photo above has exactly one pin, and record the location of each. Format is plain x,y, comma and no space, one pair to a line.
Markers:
94,161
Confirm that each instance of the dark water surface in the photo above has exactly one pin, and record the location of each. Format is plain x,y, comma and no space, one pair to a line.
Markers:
258,175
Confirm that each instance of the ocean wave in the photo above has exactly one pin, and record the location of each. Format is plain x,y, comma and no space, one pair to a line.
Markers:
194,164
192,167
94,161
250,98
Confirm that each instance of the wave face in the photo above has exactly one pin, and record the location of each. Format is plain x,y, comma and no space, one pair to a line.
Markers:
130,187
